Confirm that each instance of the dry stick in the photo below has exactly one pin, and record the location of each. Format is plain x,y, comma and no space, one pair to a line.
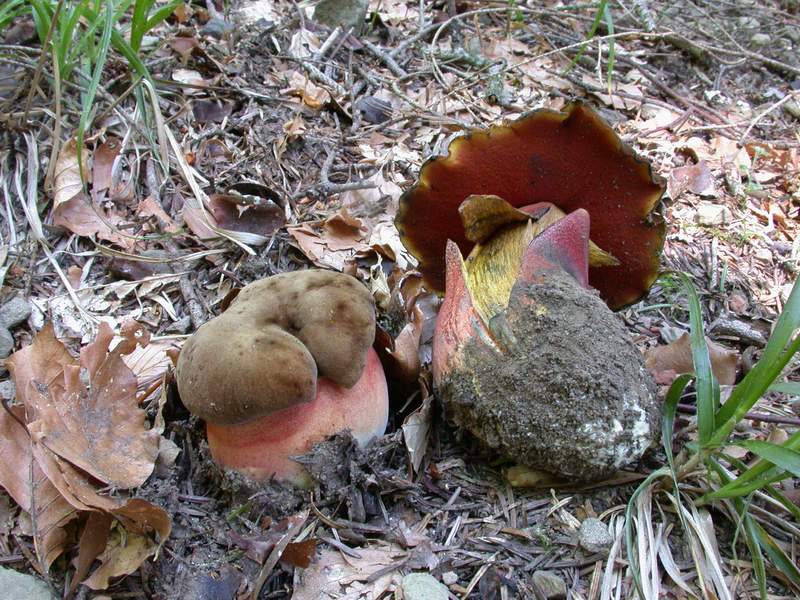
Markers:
277,552
764,113
691,409
337,188
384,58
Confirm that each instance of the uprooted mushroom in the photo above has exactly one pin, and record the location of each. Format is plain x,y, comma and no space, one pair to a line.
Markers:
289,363
527,355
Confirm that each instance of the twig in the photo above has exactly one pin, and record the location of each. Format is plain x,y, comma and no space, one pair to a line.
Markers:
337,188
691,409
384,58
764,113
295,524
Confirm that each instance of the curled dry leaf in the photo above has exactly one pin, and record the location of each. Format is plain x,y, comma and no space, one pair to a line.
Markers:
100,429
68,182
696,178
666,362
27,484
103,164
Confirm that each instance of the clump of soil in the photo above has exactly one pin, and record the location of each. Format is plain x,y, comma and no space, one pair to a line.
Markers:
569,393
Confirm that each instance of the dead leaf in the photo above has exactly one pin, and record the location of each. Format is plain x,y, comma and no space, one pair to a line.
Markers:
197,220
184,46
68,182
696,178
123,555
211,111
103,164
405,354
190,78
234,213
150,208
26,483
85,218
309,93
416,432
92,543
101,429
677,358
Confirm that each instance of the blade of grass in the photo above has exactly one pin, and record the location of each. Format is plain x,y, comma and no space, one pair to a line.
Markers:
601,9
782,345
776,555
607,17
702,364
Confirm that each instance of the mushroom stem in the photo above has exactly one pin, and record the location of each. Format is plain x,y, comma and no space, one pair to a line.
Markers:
264,447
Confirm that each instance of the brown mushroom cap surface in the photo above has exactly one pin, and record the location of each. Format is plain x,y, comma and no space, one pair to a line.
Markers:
266,351
572,160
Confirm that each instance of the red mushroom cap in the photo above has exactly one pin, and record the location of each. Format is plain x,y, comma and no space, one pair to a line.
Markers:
572,160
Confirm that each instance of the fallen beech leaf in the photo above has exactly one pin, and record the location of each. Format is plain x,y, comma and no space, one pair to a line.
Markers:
67,174
677,357
92,543
27,484
100,430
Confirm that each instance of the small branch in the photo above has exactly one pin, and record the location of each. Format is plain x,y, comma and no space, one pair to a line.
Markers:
691,409
395,68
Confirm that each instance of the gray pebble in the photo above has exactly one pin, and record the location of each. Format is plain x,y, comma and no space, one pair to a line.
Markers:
422,586
20,586
14,312
6,342
594,536
550,585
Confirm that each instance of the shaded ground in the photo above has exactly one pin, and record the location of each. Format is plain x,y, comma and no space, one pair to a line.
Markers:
316,135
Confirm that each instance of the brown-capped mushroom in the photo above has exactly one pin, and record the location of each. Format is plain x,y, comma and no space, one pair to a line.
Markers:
289,363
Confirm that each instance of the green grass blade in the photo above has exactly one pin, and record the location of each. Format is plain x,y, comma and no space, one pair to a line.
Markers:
781,347
162,14
790,388
601,9
706,398
141,9
91,92
612,51
780,456
670,409
9,11
776,555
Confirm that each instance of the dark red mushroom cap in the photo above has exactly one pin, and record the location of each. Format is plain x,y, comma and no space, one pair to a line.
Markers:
571,159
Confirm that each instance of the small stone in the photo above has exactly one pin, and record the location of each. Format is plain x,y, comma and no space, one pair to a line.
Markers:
349,14
217,28
594,536
8,390
6,342
449,578
14,312
793,108
423,586
760,39
550,584
709,214
20,586
738,303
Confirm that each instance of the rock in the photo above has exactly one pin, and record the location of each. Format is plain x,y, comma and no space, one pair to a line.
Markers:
423,586
550,585
792,107
7,390
569,394
594,536
6,342
760,39
449,578
345,13
14,312
217,28
710,214
20,586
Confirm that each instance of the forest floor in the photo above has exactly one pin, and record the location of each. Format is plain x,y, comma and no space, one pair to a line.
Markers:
283,143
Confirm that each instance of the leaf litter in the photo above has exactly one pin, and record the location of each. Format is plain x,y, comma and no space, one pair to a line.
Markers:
278,105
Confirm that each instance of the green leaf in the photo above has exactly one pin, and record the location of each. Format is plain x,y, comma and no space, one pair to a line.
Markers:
670,409
783,457
611,47
601,9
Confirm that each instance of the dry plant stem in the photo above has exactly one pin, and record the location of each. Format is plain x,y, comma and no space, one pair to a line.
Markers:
384,58
277,552
337,188
760,417
42,57
764,113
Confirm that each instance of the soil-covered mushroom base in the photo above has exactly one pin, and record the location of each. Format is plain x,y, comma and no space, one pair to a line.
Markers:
568,394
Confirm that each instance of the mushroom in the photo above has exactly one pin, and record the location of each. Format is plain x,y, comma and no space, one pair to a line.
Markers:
288,364
569,160
552,210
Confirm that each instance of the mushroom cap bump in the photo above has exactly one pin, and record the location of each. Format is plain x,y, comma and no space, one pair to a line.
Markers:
265,352
289,363
572,160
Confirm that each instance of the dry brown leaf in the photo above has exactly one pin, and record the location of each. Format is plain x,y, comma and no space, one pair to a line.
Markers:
677,358
123,555
81,216
103,163
27,484
198,221
405,354
67,175
696,178
92,543
231,213
309,93
150,208
102,429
